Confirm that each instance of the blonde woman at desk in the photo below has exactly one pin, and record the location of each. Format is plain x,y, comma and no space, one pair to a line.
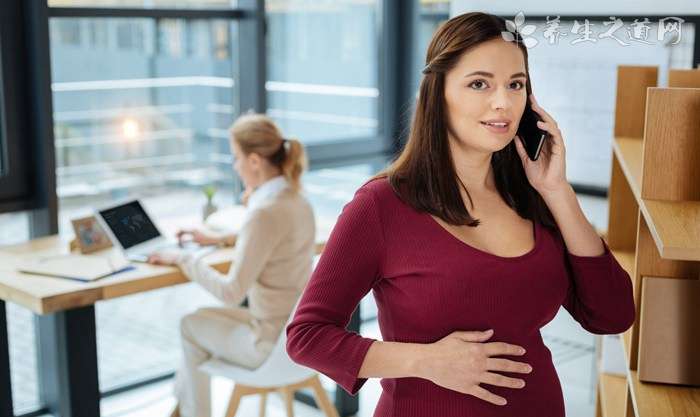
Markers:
272,262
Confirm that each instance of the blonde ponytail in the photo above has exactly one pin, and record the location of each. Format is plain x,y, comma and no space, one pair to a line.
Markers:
295,163
257,133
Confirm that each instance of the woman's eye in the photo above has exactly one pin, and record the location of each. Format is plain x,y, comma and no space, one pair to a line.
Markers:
481,85
477,82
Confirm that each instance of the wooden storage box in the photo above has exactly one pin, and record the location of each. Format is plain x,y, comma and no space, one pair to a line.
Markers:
669,334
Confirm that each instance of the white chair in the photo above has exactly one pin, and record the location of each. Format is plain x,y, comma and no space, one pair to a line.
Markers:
277,374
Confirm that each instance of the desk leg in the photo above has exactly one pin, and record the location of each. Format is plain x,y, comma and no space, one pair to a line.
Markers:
68,363
6,409
346,404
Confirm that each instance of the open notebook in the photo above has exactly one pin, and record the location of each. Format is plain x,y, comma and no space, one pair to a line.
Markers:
76,266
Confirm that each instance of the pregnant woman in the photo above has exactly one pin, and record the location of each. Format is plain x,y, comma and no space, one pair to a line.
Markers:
469,248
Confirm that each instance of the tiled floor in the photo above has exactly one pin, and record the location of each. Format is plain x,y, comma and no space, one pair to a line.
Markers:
137,335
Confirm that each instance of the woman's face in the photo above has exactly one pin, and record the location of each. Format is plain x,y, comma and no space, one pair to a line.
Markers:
247,166
486,85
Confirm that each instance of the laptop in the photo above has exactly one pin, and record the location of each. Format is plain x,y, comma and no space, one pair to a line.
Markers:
130,227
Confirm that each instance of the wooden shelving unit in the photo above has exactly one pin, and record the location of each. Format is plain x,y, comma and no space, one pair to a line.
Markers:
654,218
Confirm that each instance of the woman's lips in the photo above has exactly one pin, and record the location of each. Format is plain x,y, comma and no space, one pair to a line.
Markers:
495,128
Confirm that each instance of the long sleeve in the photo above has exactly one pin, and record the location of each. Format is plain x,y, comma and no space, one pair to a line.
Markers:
349,267
257,239
600,294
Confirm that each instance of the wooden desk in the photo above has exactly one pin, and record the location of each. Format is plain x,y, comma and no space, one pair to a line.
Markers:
66,319
45,295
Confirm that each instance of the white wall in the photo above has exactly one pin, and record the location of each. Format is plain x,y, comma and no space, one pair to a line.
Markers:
591,7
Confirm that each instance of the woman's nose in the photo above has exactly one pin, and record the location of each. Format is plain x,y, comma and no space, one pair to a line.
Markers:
500,99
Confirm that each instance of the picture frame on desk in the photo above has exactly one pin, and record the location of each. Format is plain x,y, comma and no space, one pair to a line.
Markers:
89,235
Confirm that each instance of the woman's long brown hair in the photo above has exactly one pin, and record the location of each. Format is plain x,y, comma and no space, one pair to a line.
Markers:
424,175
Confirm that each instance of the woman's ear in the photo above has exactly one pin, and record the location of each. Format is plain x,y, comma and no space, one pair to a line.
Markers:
254,160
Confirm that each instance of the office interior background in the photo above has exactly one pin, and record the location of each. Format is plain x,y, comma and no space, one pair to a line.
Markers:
107,99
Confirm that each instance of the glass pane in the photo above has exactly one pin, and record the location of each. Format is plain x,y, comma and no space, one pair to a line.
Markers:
439,7
322,68
23,358
3,145
147,4
141,110
432,13
14,229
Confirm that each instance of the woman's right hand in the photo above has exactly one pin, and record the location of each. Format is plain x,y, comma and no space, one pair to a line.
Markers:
461,361
200,236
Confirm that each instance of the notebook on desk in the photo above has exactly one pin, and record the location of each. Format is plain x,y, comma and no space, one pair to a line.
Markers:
78,267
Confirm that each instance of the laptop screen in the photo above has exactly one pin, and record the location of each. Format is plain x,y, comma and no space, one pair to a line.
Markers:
130,224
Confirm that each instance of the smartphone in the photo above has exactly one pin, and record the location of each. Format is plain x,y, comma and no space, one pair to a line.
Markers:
533,137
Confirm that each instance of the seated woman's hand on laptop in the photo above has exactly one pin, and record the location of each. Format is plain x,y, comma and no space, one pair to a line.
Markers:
165,257
201,236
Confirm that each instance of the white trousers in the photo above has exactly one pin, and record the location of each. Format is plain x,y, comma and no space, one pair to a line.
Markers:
221,332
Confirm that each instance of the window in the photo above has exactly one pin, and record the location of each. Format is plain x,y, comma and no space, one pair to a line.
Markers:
323,69
431,14
130,36
171,37
14,229
144,115
3,139
67,32
147,4
23,356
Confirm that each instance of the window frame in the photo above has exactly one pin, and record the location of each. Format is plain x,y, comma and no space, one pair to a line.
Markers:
15,180
3,129
40,169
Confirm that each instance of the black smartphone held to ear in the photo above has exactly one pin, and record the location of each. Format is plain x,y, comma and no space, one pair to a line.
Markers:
533,137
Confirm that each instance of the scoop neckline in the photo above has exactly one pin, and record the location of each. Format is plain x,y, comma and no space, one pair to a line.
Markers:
537,236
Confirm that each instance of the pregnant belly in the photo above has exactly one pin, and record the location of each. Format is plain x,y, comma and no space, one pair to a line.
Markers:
541,396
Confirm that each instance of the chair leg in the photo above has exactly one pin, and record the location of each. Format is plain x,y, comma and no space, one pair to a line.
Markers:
322,398
263,403
234,402
288,396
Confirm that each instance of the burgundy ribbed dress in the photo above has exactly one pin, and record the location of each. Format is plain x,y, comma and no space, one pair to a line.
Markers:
427,284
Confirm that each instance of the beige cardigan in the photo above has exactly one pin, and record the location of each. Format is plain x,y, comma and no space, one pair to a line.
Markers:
272,263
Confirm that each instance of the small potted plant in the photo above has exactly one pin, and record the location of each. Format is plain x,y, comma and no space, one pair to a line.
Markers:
210,207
